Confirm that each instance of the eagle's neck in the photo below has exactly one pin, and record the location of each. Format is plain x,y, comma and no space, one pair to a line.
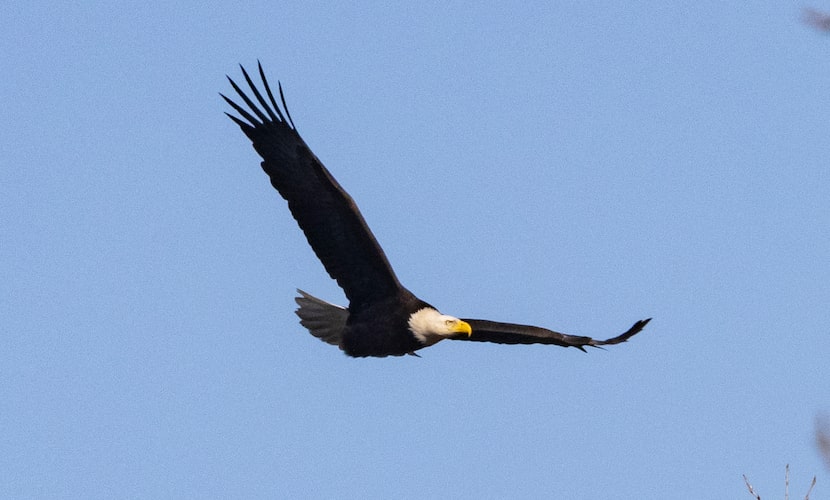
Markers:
425,324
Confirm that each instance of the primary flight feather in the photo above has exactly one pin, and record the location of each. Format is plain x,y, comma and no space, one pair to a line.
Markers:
383,318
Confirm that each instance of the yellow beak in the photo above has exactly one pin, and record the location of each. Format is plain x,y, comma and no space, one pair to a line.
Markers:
463,327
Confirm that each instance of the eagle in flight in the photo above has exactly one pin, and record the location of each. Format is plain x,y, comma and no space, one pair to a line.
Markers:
383,318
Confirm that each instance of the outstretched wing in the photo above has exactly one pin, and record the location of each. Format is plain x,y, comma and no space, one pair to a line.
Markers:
325,212
510,333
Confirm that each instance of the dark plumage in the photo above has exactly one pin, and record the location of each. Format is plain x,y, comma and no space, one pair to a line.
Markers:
383,317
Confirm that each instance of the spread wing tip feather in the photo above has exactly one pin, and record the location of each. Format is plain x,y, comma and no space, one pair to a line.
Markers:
619,339
272,111
242,124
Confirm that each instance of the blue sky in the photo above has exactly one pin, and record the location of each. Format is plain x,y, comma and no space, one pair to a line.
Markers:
578,167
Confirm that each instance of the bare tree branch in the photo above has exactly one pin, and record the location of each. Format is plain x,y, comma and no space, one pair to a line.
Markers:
751,491
786,486
823,438
816,19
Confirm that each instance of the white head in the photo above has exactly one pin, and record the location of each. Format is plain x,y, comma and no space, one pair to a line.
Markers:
429,326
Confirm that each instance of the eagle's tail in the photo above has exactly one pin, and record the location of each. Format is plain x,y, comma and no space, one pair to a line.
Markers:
324,320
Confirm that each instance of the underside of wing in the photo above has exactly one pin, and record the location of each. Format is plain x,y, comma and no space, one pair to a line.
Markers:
511,333
328,216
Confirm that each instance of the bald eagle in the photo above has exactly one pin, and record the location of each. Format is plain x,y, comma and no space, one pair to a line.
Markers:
383,318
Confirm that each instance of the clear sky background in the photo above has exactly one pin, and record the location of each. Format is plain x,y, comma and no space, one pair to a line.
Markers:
578,167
